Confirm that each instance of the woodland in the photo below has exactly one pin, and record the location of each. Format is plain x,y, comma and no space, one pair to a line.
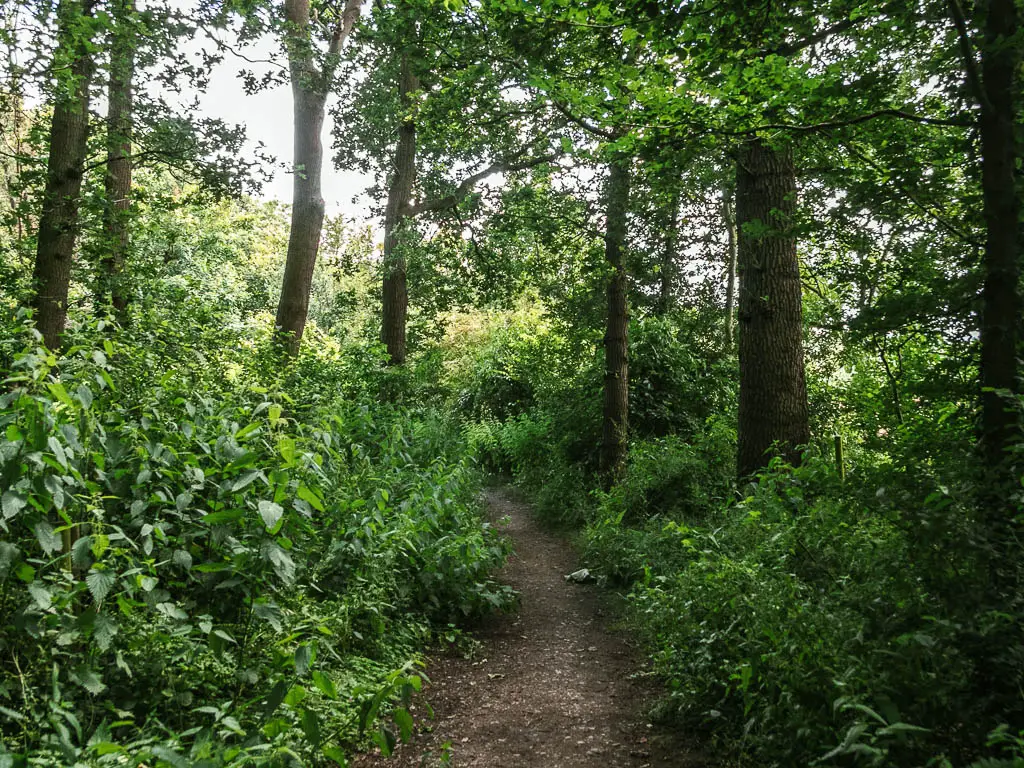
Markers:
729,288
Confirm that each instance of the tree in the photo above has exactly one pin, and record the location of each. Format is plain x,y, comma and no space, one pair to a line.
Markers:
73,68
996,92
732,241
117,181
773,392
425,70
311,83
615,424
395,294
670,252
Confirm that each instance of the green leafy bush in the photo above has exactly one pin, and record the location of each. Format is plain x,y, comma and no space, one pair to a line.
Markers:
209,560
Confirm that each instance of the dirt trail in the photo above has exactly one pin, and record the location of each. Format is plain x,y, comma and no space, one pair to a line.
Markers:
551,685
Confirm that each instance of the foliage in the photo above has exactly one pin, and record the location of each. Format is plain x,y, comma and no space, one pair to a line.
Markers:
209,559
811,621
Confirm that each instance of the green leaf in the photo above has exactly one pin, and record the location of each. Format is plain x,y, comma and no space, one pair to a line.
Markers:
311,727
81,551
100,584
296,695
283,564
286,447
385,740
325,684
48,539
244,480
89,679
170,756
41,595
404,722
171,611
225,636
310,497
104,630
25,572
271,514
247,430
12,504
337,754
58,391
58,451
8,554
274,699
303,658
270,612
107,748
55,487
84,395
223,516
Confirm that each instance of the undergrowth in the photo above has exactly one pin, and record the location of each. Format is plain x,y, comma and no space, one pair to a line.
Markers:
211,559
798,619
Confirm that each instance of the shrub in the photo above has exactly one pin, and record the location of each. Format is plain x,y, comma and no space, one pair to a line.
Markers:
209,562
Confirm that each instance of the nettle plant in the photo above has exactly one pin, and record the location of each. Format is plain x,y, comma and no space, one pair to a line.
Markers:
200,571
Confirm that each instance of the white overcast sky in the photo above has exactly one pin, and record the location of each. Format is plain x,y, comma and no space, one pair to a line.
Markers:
267,116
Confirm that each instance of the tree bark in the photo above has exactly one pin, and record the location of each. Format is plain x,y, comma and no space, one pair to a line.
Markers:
395,297
69,128
773,393
117,182
729,217
669,255
310,84
615,426
1001,313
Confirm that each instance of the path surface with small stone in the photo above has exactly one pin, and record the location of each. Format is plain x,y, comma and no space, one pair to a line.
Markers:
552,685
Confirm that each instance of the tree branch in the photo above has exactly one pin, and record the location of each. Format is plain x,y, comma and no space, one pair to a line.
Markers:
963,37
589,127
938,218
826,126
467,184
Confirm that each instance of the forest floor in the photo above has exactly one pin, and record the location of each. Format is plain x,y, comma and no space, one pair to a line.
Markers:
553,685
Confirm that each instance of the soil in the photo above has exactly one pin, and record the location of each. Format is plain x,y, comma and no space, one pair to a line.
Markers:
553,685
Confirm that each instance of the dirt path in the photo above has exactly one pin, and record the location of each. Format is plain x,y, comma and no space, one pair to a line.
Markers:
551,686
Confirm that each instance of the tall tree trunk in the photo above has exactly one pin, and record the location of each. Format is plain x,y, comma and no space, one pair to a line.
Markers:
729,217
1000,59
395,298
773,393
117,182
310,84
69,128
669,255
615,427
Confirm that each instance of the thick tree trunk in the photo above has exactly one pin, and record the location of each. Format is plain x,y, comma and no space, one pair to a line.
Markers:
117,182
69,128
729,216
666,290
310,84
395,297
773,393
1001,314
309,95
615,427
